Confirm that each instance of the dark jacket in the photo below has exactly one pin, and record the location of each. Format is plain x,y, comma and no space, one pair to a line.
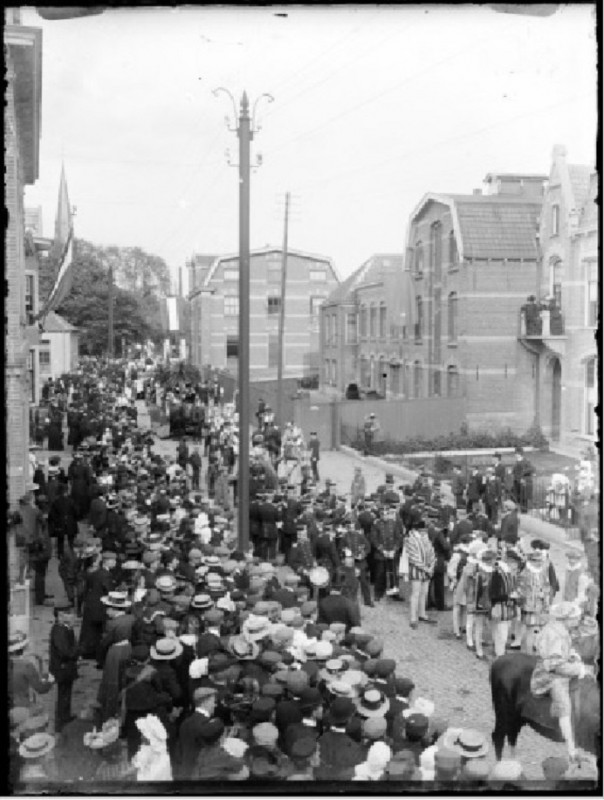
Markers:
190,742
63,659
339,755
336,608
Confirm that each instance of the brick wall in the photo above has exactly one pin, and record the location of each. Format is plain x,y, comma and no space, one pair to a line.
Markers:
16,350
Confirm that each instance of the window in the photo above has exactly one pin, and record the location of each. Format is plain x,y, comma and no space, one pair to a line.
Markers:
364,372
232,347
452,317
317,275
31,374
382,321
373,321
436,382
436,250
334,372
29,299
382,377
593,309
44,360
555,220
395,379
590,396
453,254
363,322
351,328
273,350
315,305
419,313
417,379
452,382
231,306
274,306
334,328
419,258
556,271
326,370
274,274
231,274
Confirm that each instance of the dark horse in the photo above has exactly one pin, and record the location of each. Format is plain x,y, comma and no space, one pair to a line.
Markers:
515,706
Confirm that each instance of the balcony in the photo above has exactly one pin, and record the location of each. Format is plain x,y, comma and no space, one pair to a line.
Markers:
542,327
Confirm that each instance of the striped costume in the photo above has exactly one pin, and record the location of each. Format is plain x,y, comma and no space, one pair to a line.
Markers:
422,558
533,594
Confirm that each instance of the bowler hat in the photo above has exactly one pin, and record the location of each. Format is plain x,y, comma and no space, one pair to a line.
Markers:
341,710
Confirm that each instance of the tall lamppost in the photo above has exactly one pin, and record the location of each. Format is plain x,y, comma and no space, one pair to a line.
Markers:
245,132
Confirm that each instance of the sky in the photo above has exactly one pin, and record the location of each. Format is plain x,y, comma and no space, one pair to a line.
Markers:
374,106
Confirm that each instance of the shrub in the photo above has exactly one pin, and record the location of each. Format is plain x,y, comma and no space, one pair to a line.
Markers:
464,440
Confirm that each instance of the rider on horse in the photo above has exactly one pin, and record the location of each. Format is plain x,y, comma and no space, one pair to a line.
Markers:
558,663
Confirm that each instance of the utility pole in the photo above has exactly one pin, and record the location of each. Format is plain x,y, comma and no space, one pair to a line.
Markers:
280,419
245,132
245,135
110,342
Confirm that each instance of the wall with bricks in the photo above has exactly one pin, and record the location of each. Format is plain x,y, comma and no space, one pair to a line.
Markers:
16,350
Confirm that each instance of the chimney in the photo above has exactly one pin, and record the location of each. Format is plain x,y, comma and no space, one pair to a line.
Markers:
180,281
477,192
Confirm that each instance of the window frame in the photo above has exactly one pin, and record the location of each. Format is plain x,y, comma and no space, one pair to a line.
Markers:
418,380
452,317
273,305
232,338
452,373
229,300
382,320
418,259
228,278
313,272
555,219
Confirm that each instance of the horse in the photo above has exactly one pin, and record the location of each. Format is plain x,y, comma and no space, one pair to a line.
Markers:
515,705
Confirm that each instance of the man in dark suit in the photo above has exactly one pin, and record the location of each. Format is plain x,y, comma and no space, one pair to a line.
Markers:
63,662
269,516
62,518
337,608
339,754
191,736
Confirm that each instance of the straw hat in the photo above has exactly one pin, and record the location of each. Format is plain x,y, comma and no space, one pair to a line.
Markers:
256,628
372,703
116,600
166,649
467,742
37,745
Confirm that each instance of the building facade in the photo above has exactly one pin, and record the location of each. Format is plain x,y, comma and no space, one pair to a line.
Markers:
473,260
23,94
214,311
59,348
362,324
565,343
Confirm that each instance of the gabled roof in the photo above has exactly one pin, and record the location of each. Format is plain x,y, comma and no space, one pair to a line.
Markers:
490,226
265,251
56,324
498,226
374,269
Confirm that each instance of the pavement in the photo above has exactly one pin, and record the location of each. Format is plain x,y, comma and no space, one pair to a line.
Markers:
443,669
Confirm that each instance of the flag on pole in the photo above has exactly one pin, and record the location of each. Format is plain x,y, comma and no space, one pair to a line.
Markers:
62,250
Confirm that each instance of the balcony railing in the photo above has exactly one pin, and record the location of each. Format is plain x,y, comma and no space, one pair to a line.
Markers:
537,322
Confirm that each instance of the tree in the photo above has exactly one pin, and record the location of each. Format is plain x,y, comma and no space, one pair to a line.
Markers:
135,318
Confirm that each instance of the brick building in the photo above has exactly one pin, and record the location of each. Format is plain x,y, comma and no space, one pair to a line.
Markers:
23,94
214,310
473,260
362,325
565,344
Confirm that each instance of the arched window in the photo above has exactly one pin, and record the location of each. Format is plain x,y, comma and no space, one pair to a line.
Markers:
452,381
373,321
452,316
364,372
419,314
419,258
555,220
590,396
436,249
556,272
363,322
417,379
453,254
382,321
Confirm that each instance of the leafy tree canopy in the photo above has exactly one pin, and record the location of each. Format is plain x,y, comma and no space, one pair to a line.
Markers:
136,315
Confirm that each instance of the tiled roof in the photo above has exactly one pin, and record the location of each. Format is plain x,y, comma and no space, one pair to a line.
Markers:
56,324
579,180
374,269
497,226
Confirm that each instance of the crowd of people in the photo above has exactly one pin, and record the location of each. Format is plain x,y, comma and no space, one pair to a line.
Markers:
225,663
